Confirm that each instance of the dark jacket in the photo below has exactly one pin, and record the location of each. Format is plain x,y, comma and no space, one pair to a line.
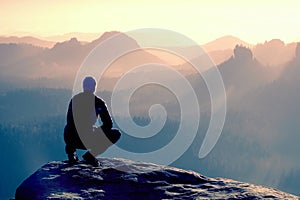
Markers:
84,109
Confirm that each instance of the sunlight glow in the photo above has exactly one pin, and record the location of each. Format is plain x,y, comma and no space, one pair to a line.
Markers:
253,21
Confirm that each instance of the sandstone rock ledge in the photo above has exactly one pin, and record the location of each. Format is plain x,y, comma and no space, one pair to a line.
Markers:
125,179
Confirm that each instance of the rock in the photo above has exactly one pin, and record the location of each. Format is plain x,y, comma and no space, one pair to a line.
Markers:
125,179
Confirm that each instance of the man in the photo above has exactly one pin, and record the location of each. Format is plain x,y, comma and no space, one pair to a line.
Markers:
80,131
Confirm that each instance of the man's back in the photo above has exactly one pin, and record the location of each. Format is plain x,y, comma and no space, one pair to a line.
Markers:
84,109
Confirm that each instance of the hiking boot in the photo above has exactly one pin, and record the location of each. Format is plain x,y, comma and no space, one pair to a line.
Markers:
72,159
90,159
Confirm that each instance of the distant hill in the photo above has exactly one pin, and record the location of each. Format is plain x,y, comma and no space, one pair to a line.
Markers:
219,50
224,43
220,56
27,40
243,73
270,53
30,63
274,52
86,37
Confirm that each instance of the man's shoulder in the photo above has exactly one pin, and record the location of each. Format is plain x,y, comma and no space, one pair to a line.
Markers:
88,95
99,100
79,94
83,94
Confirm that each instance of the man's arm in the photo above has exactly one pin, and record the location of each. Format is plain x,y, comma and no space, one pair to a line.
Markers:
101,110
70,114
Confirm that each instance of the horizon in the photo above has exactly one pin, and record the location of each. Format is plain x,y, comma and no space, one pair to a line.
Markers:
89,37
203,22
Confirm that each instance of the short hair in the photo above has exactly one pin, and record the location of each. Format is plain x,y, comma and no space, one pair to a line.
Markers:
89,84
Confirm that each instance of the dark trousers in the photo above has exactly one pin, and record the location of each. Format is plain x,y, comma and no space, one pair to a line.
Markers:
96,141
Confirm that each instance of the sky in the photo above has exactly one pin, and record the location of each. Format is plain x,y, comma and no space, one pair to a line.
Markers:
203,21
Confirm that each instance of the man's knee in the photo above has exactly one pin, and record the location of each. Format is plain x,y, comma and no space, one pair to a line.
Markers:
113,135
72,139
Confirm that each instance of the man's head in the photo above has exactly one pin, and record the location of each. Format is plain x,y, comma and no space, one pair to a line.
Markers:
89,84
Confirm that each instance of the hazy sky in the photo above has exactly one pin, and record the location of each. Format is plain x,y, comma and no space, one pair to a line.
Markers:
253,21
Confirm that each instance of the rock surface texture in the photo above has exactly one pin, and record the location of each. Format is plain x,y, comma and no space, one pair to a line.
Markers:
125,179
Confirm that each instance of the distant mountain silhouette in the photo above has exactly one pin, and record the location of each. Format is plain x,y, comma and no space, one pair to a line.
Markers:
68,53
224,43
23,61
242,71
274,52
241,74
26,40
220,56
128,41
271,53
282,91
217,56
219,50
83,37
292,70
278,102
19,60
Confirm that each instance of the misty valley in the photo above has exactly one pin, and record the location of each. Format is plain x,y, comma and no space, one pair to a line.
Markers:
259,143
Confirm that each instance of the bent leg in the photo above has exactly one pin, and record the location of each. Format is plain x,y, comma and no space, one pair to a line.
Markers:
101,141
72,140
113,135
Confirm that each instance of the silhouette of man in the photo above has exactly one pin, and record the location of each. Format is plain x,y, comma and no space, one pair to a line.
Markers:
80,132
